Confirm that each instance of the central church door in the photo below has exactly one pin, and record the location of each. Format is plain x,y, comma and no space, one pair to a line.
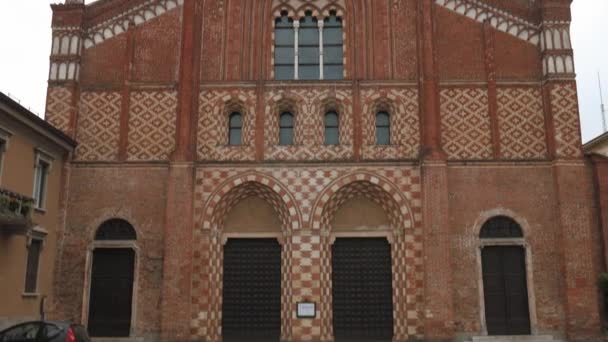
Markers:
252,290
362,289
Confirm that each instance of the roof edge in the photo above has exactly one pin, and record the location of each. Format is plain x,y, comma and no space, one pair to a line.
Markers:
595,141
35,121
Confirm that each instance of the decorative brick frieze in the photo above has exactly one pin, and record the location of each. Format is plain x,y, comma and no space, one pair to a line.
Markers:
305,200
402,106
119,24
465,123
564,104
98,126
215,107
557,48
65,54
499,19
521,123
308,105
59,107
151,125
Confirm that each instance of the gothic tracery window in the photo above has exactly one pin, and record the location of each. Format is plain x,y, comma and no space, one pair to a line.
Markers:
308,48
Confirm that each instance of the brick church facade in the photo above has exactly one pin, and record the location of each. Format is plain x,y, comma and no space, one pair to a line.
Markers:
442,132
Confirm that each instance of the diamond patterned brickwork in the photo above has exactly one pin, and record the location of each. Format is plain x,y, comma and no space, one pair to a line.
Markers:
402,105
222,200
465,123
152,116
215,106
522,123
309,106
564,104
296,192
98,126
58,107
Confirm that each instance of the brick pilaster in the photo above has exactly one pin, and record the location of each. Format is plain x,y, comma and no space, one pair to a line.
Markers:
177,258
573,180
64,71
438,307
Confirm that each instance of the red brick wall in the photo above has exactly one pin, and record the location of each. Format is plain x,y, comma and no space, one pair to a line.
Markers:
477,129
100,193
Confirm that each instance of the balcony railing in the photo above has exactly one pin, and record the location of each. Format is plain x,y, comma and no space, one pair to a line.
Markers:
15,211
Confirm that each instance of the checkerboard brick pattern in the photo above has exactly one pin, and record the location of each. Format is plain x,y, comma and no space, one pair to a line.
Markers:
521,123
215,107
151,125
465,123
402,106
98,126
58,107
564,103
308,105
306,199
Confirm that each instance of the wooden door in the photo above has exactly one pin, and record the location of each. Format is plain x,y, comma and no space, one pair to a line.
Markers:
251,306
111,292
505,290
362,289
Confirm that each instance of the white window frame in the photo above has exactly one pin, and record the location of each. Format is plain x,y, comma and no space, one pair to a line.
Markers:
41,157
5,136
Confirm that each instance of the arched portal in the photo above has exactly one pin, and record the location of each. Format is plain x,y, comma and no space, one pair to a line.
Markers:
112,280
505,280
247,221
367,223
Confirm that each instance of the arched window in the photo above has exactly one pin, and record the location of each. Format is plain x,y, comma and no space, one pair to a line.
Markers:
500,227
235,129
308,48
319,46
284,48
286,129
332,125
333,68
383,128
115,229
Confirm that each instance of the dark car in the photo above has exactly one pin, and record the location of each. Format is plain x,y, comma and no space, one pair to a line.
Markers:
45,331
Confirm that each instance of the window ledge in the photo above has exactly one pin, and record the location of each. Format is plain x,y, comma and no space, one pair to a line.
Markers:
30,295
40,210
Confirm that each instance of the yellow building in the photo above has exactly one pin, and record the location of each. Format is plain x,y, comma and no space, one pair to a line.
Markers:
32,174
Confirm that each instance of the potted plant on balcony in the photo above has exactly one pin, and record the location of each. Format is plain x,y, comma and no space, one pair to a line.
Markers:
25,209
13,205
